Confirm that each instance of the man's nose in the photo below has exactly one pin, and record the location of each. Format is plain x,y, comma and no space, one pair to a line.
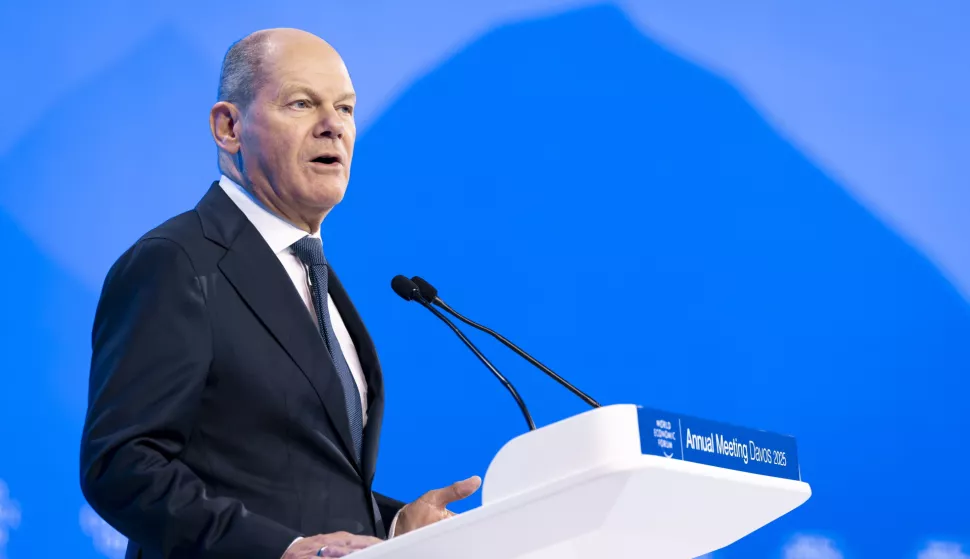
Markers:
330,125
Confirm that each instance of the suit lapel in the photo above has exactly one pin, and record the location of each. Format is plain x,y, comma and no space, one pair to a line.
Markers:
264,285
371,366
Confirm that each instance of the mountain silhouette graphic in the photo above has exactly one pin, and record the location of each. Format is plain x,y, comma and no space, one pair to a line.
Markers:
631,217
119,155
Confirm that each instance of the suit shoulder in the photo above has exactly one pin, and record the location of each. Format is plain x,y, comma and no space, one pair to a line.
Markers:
184,230
180,239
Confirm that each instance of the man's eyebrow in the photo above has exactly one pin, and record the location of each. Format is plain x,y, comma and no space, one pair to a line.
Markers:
351,96
288,90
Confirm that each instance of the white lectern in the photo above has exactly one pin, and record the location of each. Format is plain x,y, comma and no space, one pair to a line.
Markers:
583,488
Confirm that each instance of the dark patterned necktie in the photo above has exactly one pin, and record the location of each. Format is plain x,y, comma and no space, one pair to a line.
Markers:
310,251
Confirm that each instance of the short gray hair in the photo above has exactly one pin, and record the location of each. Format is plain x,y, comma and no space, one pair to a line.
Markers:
240,77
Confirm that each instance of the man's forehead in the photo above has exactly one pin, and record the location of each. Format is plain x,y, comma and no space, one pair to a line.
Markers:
320,81
309,72
294,59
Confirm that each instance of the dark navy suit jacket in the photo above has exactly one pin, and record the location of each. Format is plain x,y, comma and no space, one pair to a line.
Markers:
216,427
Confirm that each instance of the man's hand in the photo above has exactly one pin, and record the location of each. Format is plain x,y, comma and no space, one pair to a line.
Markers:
334,545
430,508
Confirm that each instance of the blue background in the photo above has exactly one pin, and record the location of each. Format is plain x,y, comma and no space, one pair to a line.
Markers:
753,212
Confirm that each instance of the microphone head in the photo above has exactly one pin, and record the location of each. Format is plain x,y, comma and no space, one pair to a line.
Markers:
427,290
405,288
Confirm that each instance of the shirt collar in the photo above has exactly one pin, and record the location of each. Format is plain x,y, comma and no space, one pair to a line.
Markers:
278,233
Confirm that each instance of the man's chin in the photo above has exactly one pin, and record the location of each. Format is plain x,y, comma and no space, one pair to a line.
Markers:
326,195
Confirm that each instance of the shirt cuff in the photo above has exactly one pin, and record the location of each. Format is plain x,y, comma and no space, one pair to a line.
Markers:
289,546
393,528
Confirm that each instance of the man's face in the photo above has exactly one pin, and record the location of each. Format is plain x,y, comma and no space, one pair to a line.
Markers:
297,136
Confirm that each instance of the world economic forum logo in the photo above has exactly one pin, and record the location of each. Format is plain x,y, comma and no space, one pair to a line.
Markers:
9,517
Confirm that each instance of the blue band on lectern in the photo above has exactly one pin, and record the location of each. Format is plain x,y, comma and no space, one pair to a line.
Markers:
682,437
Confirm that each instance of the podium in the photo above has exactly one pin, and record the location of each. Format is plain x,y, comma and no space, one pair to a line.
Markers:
592,486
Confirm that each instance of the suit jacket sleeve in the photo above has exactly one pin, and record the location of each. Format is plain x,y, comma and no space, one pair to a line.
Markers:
152,347
389,508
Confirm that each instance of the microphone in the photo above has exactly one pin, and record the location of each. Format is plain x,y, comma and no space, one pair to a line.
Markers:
408,291
430,294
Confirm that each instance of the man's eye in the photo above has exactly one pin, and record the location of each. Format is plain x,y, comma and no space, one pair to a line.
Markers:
300,104
346,109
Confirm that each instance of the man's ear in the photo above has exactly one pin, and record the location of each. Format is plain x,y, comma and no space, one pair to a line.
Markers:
224,125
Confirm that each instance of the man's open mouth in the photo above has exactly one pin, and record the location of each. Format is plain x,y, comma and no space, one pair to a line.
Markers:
327,159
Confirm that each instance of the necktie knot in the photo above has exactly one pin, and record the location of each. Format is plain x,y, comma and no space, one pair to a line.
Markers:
309,250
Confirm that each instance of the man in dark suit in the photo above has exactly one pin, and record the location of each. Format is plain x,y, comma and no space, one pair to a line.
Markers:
235,397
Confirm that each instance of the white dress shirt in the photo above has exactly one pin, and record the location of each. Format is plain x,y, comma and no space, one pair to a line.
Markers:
280,234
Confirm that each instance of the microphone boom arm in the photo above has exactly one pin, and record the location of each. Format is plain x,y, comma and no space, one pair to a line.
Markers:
501,378
582,395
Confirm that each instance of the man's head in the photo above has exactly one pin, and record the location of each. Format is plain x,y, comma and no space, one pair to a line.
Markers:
284,123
